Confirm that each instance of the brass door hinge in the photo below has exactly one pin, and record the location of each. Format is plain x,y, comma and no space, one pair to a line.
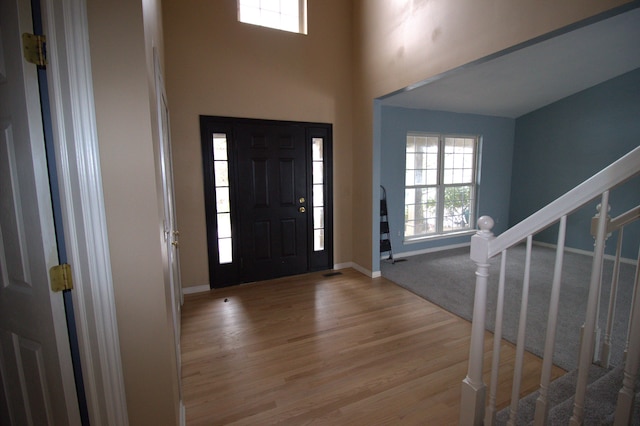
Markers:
35,49
61,277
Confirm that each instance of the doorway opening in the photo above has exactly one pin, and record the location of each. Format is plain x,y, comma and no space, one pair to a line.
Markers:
268,198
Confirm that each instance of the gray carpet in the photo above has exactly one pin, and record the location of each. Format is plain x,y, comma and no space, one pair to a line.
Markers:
447,278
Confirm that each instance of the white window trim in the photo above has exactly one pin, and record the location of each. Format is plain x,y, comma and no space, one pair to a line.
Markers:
474,189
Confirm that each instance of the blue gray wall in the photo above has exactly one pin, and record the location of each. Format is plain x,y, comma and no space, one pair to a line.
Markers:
559,146
495,178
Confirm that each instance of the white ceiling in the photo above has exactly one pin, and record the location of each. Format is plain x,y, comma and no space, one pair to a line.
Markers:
515,83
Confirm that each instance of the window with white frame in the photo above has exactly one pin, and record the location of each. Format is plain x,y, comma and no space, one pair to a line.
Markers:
285,15
440,184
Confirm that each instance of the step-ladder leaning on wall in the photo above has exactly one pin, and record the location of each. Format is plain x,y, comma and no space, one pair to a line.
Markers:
385,232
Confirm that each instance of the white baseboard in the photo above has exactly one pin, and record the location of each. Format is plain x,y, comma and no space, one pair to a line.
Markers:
428,250
195,289
345,265
585,252
358,268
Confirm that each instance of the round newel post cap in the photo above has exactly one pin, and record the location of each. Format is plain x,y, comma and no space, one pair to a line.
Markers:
485,223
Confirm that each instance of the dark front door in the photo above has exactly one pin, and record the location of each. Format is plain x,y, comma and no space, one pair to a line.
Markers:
272,200
268,198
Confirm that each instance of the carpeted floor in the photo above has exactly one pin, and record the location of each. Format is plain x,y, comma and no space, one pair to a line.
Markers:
447,278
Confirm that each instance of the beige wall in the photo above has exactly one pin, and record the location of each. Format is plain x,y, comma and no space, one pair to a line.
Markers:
122,33
404,42
218,66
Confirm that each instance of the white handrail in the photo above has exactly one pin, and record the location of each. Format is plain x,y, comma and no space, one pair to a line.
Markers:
624,219
615,174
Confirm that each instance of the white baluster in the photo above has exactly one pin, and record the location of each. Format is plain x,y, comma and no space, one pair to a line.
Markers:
594,231
522,323
542,407
587,344
613,294
624,406
634,296
472,398
497,340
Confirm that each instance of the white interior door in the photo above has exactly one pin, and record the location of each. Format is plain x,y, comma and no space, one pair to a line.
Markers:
35,364
171,233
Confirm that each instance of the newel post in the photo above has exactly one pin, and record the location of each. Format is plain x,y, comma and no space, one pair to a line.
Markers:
472,401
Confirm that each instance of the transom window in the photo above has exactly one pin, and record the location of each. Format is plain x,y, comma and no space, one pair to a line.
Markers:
440,184
285,15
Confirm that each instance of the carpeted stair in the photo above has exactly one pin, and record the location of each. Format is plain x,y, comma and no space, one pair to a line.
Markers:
600,401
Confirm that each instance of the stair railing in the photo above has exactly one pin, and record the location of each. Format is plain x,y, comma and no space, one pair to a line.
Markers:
484,246
625,402
616,224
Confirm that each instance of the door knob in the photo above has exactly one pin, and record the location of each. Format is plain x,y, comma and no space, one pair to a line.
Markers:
302,210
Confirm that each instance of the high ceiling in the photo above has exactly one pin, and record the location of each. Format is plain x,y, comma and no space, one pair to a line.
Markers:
523,80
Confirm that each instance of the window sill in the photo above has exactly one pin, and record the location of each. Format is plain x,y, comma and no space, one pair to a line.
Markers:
439,237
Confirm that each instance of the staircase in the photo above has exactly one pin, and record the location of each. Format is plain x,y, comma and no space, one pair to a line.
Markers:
602,392
592,394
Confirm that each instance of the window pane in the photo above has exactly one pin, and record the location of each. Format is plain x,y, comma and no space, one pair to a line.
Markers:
224,225
318,240
432,160
289,23
318,196
411,144
249,15
222,200
316,149
457,208
411,160
458,160
409,196
318,217
409,178
219,146
272,5
409,230
448,160
421,144
270,19
225,251
221,173
318,172
468,160
409,211
432,177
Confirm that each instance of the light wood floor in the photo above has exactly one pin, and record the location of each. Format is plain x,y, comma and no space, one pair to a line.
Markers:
339,350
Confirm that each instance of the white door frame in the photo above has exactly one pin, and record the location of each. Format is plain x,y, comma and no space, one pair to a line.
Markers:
83,213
